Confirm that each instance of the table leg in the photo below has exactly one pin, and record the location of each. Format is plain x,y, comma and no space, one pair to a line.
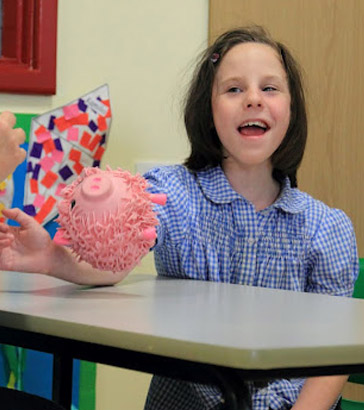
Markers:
62,380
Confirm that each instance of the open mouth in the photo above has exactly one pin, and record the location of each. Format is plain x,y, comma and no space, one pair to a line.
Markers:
253,128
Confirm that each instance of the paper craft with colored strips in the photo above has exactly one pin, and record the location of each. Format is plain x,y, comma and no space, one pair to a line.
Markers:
61,143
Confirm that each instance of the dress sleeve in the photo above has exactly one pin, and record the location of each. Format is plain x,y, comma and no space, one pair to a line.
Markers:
333,264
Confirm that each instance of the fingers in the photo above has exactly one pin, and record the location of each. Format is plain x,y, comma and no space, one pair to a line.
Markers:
11,152
21,155
7,122
6,236
19,216
6,241
19,136
4,228
8,118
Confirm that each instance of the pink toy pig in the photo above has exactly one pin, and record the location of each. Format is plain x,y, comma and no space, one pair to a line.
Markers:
107,218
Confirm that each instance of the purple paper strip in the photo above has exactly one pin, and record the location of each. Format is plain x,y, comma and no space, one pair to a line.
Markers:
82,106
92,126
51,122
36,171
30,210
96,163
103,139
36,151
65,172
58,144
29,167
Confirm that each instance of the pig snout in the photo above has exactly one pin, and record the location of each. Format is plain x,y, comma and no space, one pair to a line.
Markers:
96,188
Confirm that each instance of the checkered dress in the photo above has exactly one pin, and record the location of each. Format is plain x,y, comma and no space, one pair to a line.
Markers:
209,232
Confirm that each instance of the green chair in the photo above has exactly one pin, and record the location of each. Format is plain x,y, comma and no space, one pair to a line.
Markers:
347,404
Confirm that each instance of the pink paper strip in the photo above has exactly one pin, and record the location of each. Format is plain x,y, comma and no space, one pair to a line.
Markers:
71,111
44,136
72,134
39,201
46,163
59,189
57,155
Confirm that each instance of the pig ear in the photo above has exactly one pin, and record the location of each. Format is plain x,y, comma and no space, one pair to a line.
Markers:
59,238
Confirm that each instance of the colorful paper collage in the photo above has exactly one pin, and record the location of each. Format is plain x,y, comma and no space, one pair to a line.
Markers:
62,142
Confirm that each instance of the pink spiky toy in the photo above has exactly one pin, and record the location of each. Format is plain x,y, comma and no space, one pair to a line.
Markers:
107,218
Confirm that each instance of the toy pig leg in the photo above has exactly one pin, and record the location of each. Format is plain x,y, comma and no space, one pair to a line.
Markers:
149,234
159,199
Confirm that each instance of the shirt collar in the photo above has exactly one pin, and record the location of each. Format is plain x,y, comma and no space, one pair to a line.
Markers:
216,188
290,200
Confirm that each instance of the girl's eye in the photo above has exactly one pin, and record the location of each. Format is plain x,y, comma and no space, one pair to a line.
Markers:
234,90
269,88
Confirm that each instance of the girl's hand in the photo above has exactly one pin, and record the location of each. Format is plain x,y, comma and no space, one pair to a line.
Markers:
27,248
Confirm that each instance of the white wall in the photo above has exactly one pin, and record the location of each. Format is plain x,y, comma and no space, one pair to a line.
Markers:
144,50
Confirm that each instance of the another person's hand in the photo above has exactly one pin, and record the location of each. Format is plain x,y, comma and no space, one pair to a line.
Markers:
11,154
26,248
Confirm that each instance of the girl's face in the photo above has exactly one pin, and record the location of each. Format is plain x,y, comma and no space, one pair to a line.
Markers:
250,105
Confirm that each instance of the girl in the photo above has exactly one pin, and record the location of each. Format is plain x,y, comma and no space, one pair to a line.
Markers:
233,213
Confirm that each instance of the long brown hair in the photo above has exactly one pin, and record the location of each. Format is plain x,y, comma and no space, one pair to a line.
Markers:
206,149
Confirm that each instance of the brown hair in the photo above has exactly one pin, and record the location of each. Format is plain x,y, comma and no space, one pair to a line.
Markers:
206,149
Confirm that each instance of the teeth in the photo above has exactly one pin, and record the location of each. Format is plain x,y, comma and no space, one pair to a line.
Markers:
254,123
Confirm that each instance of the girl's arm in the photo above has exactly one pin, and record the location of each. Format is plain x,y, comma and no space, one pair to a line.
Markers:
320,393
29,248
63,265
333,251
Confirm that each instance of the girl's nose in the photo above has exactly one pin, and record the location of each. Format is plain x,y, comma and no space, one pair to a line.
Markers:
253,99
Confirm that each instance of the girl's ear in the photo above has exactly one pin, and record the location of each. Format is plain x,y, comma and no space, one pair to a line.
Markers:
224,154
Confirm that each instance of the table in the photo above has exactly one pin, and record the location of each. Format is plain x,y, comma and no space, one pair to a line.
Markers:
193,330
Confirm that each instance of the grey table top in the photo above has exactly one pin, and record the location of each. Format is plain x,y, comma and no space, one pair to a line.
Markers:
206,322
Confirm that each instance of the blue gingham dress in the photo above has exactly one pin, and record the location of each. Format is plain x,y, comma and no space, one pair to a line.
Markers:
209,232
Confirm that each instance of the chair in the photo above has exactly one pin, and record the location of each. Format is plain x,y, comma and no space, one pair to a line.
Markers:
347,404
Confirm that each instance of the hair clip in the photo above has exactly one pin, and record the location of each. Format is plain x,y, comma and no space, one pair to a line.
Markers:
215,57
